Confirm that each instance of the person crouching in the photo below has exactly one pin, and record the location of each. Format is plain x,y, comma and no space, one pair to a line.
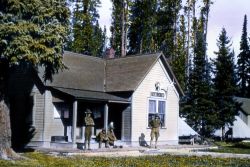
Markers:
102,137
111,137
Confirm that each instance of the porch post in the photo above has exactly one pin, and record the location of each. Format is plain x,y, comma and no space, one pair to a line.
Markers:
106,115
74,117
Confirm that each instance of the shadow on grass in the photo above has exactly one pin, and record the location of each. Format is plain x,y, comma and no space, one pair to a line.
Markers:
241,145
24,150
232,147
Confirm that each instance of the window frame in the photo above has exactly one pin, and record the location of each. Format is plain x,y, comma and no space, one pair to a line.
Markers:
61,110
157,100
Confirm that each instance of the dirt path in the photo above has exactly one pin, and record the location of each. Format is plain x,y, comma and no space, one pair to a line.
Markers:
186,150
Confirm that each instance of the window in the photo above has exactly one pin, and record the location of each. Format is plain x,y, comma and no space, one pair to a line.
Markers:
57,113
61,110
159,107
161,111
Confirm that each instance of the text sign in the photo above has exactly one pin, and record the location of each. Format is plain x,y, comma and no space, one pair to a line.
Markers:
157,94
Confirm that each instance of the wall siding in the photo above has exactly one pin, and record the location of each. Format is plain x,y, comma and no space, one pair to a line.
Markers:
126,124
52,127
140,106
38,115
23,82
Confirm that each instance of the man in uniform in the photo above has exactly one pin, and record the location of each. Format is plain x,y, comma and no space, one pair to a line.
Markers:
111,137
89,123
155,124
102,137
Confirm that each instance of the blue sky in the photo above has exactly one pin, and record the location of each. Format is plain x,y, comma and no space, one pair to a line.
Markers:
224,13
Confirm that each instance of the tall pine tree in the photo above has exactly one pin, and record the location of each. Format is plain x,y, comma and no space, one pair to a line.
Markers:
179,60
198,109
224,83
31,32
142,30
243,64
167,24
87,36
120,13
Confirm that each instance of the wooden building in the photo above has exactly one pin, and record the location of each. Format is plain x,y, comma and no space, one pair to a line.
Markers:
126,91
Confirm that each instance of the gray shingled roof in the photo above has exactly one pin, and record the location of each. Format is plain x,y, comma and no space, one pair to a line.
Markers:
87,73
125,74
245,104
84,72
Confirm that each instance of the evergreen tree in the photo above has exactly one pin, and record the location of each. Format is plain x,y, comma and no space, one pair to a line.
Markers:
115,28
198,108
31,32
142,30
87,34
179,60
99,41
120,12
154,26
166,27
205,10
243,69
224,83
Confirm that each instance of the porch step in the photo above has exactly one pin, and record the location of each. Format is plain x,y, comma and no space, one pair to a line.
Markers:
80,144
95,145
61,145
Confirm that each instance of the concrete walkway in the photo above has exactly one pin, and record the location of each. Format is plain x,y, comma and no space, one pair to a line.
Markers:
128,151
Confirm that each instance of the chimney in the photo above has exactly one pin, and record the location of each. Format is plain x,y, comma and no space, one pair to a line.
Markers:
110,53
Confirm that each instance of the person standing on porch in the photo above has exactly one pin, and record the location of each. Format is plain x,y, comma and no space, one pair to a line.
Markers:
155,124
89,123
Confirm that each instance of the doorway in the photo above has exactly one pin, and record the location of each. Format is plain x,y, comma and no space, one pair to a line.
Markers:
115,116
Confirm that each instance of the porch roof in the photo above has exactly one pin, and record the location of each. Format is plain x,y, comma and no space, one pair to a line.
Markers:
91,95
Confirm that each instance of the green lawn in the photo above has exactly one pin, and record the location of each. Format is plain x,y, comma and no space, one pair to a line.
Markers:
229,147
37,159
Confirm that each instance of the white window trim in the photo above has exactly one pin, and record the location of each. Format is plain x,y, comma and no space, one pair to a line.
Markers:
157,99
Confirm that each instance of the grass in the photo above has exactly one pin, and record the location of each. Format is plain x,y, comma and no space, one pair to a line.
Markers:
36,159
232,147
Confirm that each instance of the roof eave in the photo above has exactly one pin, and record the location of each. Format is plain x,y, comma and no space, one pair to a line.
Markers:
153,63
172,76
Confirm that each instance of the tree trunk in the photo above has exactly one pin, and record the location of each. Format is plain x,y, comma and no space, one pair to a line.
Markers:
188,42
195,24
123,30
223,133
6,151
126,27
207,9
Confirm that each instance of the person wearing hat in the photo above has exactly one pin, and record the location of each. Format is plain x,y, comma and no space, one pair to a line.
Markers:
102,138
89,123
155,124
111,137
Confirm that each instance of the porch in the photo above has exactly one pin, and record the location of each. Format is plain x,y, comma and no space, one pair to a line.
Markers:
106,108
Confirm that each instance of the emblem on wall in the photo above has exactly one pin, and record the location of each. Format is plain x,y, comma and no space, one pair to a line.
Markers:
157,86
157,92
